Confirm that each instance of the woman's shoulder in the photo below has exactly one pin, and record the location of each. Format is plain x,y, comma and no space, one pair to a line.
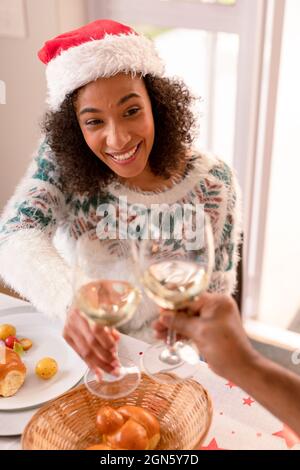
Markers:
212,168
46,163
46,167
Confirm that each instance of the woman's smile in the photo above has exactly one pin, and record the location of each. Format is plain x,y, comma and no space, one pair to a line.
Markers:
126,157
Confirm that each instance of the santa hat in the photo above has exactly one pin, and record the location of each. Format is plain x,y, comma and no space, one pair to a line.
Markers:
99,49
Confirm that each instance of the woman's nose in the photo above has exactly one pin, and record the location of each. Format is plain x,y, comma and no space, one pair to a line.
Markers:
117,137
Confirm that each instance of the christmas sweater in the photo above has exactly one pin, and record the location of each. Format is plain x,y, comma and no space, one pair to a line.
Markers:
41,223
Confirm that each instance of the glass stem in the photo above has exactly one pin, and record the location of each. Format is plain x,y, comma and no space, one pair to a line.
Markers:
171,338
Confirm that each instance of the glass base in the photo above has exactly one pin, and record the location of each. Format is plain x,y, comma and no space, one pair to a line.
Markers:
112,386
179,362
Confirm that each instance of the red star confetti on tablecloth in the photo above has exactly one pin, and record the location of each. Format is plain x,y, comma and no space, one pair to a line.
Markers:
230,384
290,437
213,445
248,401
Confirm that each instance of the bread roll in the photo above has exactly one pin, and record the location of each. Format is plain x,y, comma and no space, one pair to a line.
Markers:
128,428
146,419
12,373
131,436
108,420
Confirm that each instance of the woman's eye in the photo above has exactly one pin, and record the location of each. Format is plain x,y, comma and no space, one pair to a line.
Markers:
132,111
93,122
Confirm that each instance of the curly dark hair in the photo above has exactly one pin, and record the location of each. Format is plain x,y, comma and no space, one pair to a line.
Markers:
82,171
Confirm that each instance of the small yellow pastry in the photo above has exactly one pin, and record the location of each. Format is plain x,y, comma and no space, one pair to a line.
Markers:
46,368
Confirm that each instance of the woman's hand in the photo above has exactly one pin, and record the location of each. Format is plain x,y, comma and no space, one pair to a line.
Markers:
97,345
217,331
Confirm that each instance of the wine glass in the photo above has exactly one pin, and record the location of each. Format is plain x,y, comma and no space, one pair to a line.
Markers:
104,294
172,279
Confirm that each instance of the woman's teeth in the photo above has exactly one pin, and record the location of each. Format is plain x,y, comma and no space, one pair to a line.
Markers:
124,156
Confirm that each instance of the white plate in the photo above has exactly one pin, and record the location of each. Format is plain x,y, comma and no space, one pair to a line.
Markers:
12,423
47,341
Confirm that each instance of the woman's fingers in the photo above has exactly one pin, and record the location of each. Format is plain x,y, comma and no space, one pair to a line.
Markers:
115,334
99,374
99,337
97,346
105,337
94,357
94,350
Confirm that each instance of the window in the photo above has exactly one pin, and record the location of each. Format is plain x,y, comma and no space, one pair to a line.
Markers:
207,62
228,52
279,299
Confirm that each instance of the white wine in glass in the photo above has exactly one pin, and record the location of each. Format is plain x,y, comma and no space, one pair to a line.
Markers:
104,295
108,302
171,284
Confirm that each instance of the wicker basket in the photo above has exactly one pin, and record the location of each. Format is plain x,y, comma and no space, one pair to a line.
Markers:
184,411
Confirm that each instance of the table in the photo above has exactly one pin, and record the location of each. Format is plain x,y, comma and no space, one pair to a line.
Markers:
239,423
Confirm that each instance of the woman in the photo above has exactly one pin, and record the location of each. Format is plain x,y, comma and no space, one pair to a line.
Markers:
115,127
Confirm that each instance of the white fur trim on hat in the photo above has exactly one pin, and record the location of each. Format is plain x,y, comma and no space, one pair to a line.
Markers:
106,57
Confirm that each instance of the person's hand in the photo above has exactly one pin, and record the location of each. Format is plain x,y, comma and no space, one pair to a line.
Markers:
97,345
217,332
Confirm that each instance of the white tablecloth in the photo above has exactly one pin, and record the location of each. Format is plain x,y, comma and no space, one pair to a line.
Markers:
238,421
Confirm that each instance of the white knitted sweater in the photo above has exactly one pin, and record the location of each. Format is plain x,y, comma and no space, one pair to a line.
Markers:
40,224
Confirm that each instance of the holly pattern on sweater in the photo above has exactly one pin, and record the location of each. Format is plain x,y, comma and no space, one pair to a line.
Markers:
40,211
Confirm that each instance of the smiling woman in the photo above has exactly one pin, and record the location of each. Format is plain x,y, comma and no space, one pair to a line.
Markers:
116,126
158,106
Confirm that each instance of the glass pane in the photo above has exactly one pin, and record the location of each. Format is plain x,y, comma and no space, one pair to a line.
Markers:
280,295
223,117
207,62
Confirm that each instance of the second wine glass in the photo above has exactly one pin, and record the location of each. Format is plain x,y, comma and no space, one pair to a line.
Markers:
104,295
172,278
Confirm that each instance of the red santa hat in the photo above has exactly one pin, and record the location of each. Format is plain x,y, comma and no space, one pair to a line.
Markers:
99,49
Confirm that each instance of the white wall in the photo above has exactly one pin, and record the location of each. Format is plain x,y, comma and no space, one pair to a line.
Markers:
24,76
